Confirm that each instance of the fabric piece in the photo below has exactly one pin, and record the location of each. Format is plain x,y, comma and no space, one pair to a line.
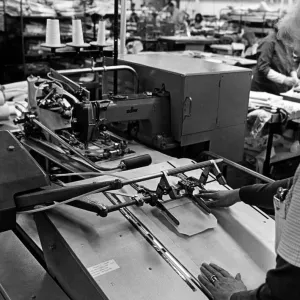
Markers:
192,219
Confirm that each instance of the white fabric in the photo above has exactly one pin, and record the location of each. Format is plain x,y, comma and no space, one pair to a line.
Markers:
289,244
276,77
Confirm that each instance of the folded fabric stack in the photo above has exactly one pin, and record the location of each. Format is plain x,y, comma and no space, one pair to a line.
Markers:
65,28
68,8
35,28
101,7
40,9
30,8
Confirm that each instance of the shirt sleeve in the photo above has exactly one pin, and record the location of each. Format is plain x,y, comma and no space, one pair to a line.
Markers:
261,195
265,58
276,77
281,283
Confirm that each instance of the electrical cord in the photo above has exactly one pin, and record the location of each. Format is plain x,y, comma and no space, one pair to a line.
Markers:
58,80
88,174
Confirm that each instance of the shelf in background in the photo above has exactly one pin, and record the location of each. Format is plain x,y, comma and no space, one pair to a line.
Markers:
44,17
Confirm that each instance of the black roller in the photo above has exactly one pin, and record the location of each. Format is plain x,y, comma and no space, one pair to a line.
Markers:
136,162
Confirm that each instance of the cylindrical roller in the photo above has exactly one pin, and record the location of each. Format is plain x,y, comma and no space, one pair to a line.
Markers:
136,162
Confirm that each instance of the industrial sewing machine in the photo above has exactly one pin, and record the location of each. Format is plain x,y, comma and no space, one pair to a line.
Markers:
62,109
22,191
122,237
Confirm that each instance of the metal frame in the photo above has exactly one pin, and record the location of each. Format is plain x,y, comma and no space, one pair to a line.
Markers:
239,167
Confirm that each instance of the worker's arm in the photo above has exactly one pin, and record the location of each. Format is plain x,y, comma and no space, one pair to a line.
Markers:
258,194
262,194
264,65
281,283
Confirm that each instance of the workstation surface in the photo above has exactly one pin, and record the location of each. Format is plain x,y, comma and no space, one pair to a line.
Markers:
243,241
210,57
190,43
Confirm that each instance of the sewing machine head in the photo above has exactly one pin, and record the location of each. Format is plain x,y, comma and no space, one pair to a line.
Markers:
61,103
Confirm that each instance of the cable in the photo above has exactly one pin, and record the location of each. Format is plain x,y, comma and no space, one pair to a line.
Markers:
15,102
61,203
88,174
61,81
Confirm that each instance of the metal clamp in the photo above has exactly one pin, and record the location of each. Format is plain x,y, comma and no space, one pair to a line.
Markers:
166,188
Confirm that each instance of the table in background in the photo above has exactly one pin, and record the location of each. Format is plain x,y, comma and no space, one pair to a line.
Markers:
186,43
212,57
225,49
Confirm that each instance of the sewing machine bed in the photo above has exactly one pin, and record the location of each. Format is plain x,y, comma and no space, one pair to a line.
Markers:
127,267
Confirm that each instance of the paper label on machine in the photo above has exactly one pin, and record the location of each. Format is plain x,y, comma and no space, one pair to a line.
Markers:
103,268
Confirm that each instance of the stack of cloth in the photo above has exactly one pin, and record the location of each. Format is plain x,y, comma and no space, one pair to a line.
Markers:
68,8
35,28
260,109
39,8
101,7
65,28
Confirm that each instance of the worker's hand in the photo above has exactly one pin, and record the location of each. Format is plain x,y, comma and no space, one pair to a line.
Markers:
219,282
220,198
290,81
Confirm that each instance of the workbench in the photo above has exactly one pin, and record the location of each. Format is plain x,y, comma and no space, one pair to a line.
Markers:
210,57
186,43
126,266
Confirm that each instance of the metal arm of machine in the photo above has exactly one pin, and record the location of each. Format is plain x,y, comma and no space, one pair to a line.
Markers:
239,167
15,186
103,69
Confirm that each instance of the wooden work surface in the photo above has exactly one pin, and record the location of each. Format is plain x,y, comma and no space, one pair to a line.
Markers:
243,241
200,40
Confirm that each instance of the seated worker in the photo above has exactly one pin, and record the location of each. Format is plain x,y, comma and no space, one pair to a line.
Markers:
198,22
250,41
275,71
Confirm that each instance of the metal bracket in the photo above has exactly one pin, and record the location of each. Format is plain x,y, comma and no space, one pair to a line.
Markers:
64,265
165,188
213,168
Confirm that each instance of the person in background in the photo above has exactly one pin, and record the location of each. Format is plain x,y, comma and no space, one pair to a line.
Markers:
198,22
178,17
250,41
275,72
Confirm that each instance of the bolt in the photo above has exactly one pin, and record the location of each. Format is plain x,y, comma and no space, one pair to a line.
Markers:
33,297
52,247
11,148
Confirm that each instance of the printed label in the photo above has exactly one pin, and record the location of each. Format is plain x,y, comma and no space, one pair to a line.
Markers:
103,268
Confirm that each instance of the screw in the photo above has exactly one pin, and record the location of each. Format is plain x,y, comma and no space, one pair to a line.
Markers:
52,247
11,148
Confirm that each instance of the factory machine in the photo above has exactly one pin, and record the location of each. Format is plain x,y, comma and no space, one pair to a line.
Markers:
208,101
163,103
137,234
